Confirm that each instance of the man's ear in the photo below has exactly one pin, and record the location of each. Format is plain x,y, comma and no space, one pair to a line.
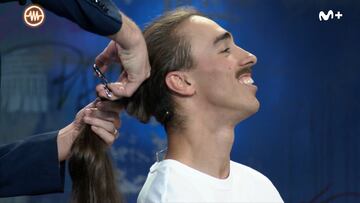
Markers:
180,83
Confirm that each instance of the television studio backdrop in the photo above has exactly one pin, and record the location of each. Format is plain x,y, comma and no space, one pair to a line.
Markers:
305,137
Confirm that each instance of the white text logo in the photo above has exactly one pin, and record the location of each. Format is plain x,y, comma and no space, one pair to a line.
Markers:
329,15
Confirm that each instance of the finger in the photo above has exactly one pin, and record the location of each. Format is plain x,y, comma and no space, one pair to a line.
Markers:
81,113
119,89
101,59
112,117
104,59
102,68
100,92
108,56
104,135
102,62
91,104
125,87
103,115
111,106
107,125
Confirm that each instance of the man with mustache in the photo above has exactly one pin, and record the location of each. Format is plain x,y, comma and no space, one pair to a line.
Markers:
199,89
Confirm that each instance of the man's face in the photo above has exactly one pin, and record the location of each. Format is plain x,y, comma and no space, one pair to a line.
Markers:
222,71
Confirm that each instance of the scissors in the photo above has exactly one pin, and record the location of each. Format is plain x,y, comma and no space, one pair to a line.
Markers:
103,79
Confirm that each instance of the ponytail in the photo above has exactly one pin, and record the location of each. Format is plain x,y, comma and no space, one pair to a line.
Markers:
91,171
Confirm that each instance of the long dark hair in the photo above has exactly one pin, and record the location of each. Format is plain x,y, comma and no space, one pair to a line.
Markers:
91,170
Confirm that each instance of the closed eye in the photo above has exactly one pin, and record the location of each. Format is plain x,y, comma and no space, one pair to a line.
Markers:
227,50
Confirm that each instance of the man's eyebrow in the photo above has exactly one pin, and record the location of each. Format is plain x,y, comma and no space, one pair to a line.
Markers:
221,37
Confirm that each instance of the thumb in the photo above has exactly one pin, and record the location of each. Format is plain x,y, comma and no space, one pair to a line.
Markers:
81,113
119,89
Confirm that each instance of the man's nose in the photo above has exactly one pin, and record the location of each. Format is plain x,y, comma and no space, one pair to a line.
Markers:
247,58
252,58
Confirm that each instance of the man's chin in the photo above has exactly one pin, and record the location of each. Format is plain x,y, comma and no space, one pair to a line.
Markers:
248,111
256,106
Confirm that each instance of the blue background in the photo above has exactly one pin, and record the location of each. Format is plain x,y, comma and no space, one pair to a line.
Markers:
305,138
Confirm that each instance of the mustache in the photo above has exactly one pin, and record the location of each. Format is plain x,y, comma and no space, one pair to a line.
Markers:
243,70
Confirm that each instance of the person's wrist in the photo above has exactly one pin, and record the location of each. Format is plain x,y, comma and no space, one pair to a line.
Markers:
65,140
129,36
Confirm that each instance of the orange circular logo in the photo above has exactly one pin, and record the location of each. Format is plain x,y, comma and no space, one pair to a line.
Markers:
34,16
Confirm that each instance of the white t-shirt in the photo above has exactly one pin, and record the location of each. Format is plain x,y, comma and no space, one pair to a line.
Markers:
171,181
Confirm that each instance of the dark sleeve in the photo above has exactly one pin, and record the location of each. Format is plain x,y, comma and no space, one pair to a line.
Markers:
31,167
98,16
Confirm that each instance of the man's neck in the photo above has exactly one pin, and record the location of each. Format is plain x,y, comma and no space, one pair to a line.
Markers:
203,145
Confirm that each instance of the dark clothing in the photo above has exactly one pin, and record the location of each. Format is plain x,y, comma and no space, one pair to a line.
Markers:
31,166
97,16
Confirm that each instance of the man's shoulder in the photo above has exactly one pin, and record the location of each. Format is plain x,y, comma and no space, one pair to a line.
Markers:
158,174
243,170
161,182
255,182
